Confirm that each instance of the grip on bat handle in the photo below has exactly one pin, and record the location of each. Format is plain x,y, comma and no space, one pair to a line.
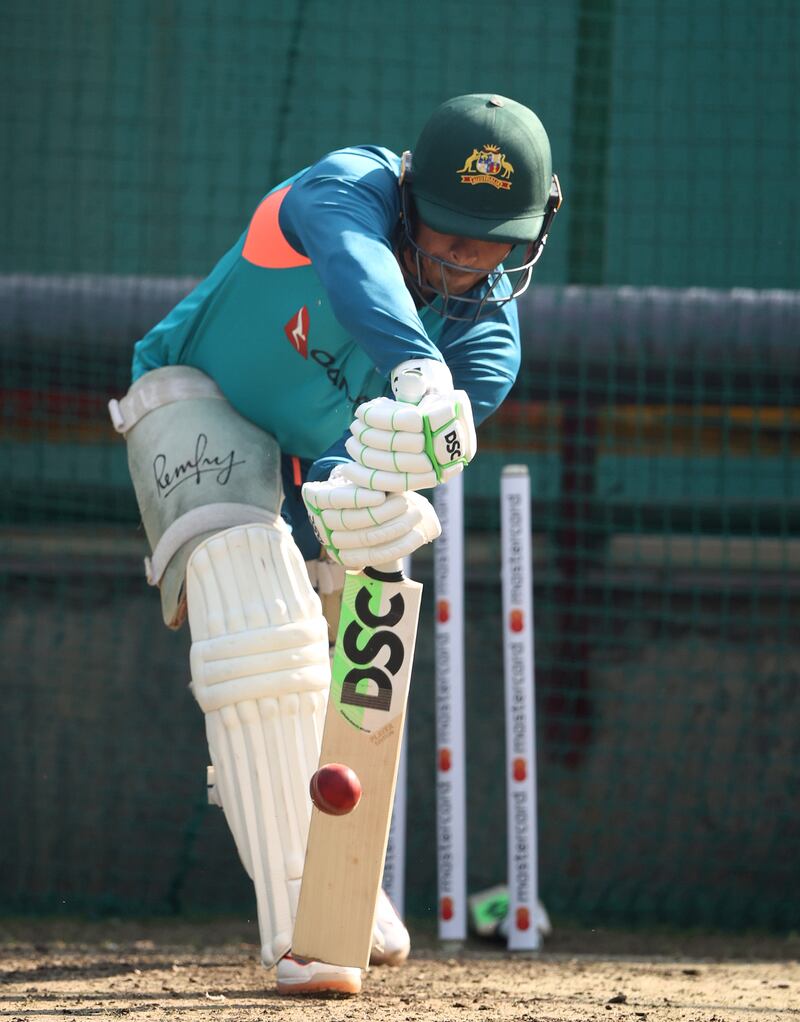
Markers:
390,566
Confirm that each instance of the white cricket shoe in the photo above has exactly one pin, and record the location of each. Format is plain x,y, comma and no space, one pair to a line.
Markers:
305,976
391,942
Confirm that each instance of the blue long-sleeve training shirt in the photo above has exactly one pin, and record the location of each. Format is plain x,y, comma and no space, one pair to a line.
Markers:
308,313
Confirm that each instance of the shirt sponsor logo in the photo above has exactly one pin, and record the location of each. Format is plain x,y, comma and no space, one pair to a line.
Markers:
336,376
296,331
487,166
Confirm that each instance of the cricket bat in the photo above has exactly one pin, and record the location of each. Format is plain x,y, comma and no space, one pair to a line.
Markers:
363,729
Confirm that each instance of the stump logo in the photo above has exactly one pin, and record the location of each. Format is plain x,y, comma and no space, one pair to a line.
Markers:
487,166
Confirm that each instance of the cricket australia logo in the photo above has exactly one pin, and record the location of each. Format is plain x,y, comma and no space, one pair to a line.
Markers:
487,166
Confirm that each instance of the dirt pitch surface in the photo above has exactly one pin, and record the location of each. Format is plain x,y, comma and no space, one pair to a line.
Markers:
209,971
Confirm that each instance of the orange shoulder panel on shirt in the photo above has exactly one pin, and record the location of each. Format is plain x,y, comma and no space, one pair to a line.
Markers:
265,244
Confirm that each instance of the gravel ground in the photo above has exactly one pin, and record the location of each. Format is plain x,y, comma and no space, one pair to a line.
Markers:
210,970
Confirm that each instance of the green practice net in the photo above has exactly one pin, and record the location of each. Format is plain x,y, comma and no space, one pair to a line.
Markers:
657,410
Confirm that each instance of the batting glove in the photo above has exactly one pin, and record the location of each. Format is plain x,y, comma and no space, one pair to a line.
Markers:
355,529
424,438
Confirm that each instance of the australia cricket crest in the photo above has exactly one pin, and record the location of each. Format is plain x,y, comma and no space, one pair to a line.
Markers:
487,166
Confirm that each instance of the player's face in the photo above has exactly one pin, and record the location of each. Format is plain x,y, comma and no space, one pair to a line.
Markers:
474,259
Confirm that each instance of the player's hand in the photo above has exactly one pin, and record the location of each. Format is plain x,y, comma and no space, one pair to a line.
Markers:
398,446
355,533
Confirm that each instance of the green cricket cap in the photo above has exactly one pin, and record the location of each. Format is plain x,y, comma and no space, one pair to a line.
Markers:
482,169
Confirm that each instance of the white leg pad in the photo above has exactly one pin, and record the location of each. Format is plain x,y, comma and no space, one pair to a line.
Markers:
261,674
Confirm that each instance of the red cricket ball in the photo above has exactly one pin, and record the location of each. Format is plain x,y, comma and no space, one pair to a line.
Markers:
335,789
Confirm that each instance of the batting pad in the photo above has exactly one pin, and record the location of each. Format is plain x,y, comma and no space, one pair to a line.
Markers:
260,672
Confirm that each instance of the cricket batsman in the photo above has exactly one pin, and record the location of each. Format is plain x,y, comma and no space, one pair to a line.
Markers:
268,451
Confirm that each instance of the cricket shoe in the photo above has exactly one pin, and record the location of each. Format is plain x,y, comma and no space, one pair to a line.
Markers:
306,976
391,942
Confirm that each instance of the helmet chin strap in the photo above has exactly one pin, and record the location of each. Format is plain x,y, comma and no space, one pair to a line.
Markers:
480,300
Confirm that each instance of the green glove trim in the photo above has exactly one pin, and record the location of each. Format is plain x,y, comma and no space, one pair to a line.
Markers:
327,542
430,435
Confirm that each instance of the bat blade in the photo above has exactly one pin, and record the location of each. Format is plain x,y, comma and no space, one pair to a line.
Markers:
364,729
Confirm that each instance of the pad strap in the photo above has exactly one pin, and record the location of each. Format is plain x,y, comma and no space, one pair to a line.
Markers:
157,389
207,518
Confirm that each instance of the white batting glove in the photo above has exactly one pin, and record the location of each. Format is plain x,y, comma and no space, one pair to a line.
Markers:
355,533
398,446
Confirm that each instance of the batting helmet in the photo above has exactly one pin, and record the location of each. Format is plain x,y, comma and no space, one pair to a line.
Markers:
481,169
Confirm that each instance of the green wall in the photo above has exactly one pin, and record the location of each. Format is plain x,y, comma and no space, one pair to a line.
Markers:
139,136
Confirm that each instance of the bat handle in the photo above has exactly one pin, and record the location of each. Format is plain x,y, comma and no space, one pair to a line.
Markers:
410,386
390,567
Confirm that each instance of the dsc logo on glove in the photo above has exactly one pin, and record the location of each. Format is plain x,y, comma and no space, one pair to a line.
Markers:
452,444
